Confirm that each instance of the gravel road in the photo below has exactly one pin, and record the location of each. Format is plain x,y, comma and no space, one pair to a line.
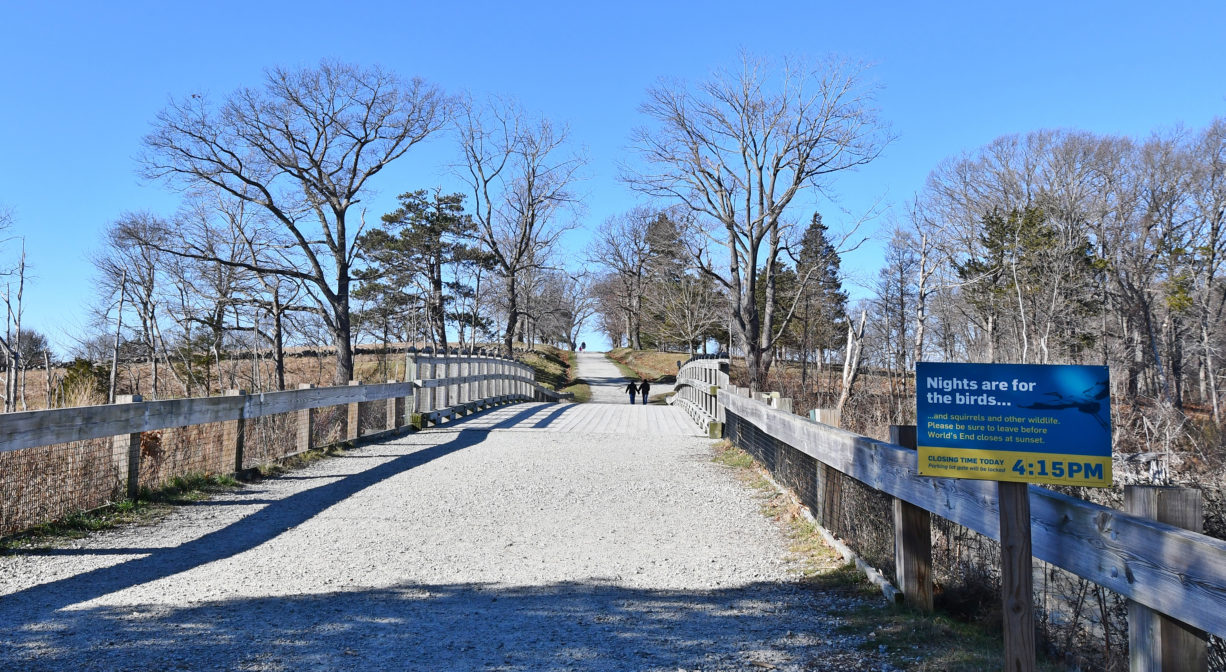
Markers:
603,377
448,549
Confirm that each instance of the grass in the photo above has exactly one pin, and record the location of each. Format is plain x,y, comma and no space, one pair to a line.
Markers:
658,367
908,639
551,365
555,368
576,386
149,507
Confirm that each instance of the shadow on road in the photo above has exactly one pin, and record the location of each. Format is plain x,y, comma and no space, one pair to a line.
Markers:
574,626
38,602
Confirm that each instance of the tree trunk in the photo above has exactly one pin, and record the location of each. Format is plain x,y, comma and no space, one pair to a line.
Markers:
47,363
851,361
1207,346
341,337
123,281
437,305
512,317
278,341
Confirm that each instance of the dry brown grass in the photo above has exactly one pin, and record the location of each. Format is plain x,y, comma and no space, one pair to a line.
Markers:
658,367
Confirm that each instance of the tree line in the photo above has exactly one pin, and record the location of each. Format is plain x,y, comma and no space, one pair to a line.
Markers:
272,245
1067,247
1054,246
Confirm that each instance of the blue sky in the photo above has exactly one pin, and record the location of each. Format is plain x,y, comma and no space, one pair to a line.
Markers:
82,81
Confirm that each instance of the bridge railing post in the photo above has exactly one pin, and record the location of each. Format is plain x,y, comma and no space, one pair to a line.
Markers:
125,452
429,394
829,480
394,412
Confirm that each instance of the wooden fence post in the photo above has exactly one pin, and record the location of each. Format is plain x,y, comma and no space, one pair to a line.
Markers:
239,427
829,481
125,452
1016,575
413,371
353,419
912,538
395,411
1158,642
306,424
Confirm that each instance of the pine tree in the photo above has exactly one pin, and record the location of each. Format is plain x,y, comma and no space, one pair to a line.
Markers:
418,240
822,308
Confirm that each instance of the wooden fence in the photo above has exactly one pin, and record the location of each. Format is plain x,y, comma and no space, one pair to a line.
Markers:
439,388
1171,576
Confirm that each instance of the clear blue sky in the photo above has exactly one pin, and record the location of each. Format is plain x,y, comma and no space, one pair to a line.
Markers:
82,81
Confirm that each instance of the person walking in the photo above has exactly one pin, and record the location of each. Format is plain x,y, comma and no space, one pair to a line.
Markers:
644,389
632,388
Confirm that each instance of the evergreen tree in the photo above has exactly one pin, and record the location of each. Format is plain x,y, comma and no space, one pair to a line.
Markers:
822,308
418,240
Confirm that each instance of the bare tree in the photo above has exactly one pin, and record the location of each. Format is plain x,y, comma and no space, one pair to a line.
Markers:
303,149
10,343
737,150
851,360
1209,197
622,245
521,182
688,308
131,262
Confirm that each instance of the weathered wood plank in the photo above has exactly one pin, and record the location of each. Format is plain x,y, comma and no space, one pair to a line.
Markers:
1155,641
1177,572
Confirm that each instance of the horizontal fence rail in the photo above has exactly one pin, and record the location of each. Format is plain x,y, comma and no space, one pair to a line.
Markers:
1173,571
29,429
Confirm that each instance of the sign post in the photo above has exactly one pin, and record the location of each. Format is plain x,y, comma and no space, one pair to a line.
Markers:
1015,424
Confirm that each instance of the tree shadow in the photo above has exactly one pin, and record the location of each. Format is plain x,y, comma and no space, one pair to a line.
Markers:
575,626
262,525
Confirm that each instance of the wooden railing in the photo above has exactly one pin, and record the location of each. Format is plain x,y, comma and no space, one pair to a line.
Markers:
439,388
698,382
1158,567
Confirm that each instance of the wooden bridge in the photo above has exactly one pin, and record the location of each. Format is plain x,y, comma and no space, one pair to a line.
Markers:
604,531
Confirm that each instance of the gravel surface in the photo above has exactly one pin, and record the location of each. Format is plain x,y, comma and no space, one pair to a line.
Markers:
448,549
606,381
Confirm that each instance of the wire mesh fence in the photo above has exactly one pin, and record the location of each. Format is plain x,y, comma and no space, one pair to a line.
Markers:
372,417
51,482
1077,621
269,438
179,451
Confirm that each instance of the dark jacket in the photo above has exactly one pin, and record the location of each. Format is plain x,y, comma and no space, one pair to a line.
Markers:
645,388
631,387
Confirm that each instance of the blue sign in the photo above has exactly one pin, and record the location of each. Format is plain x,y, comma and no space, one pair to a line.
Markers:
1035,423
